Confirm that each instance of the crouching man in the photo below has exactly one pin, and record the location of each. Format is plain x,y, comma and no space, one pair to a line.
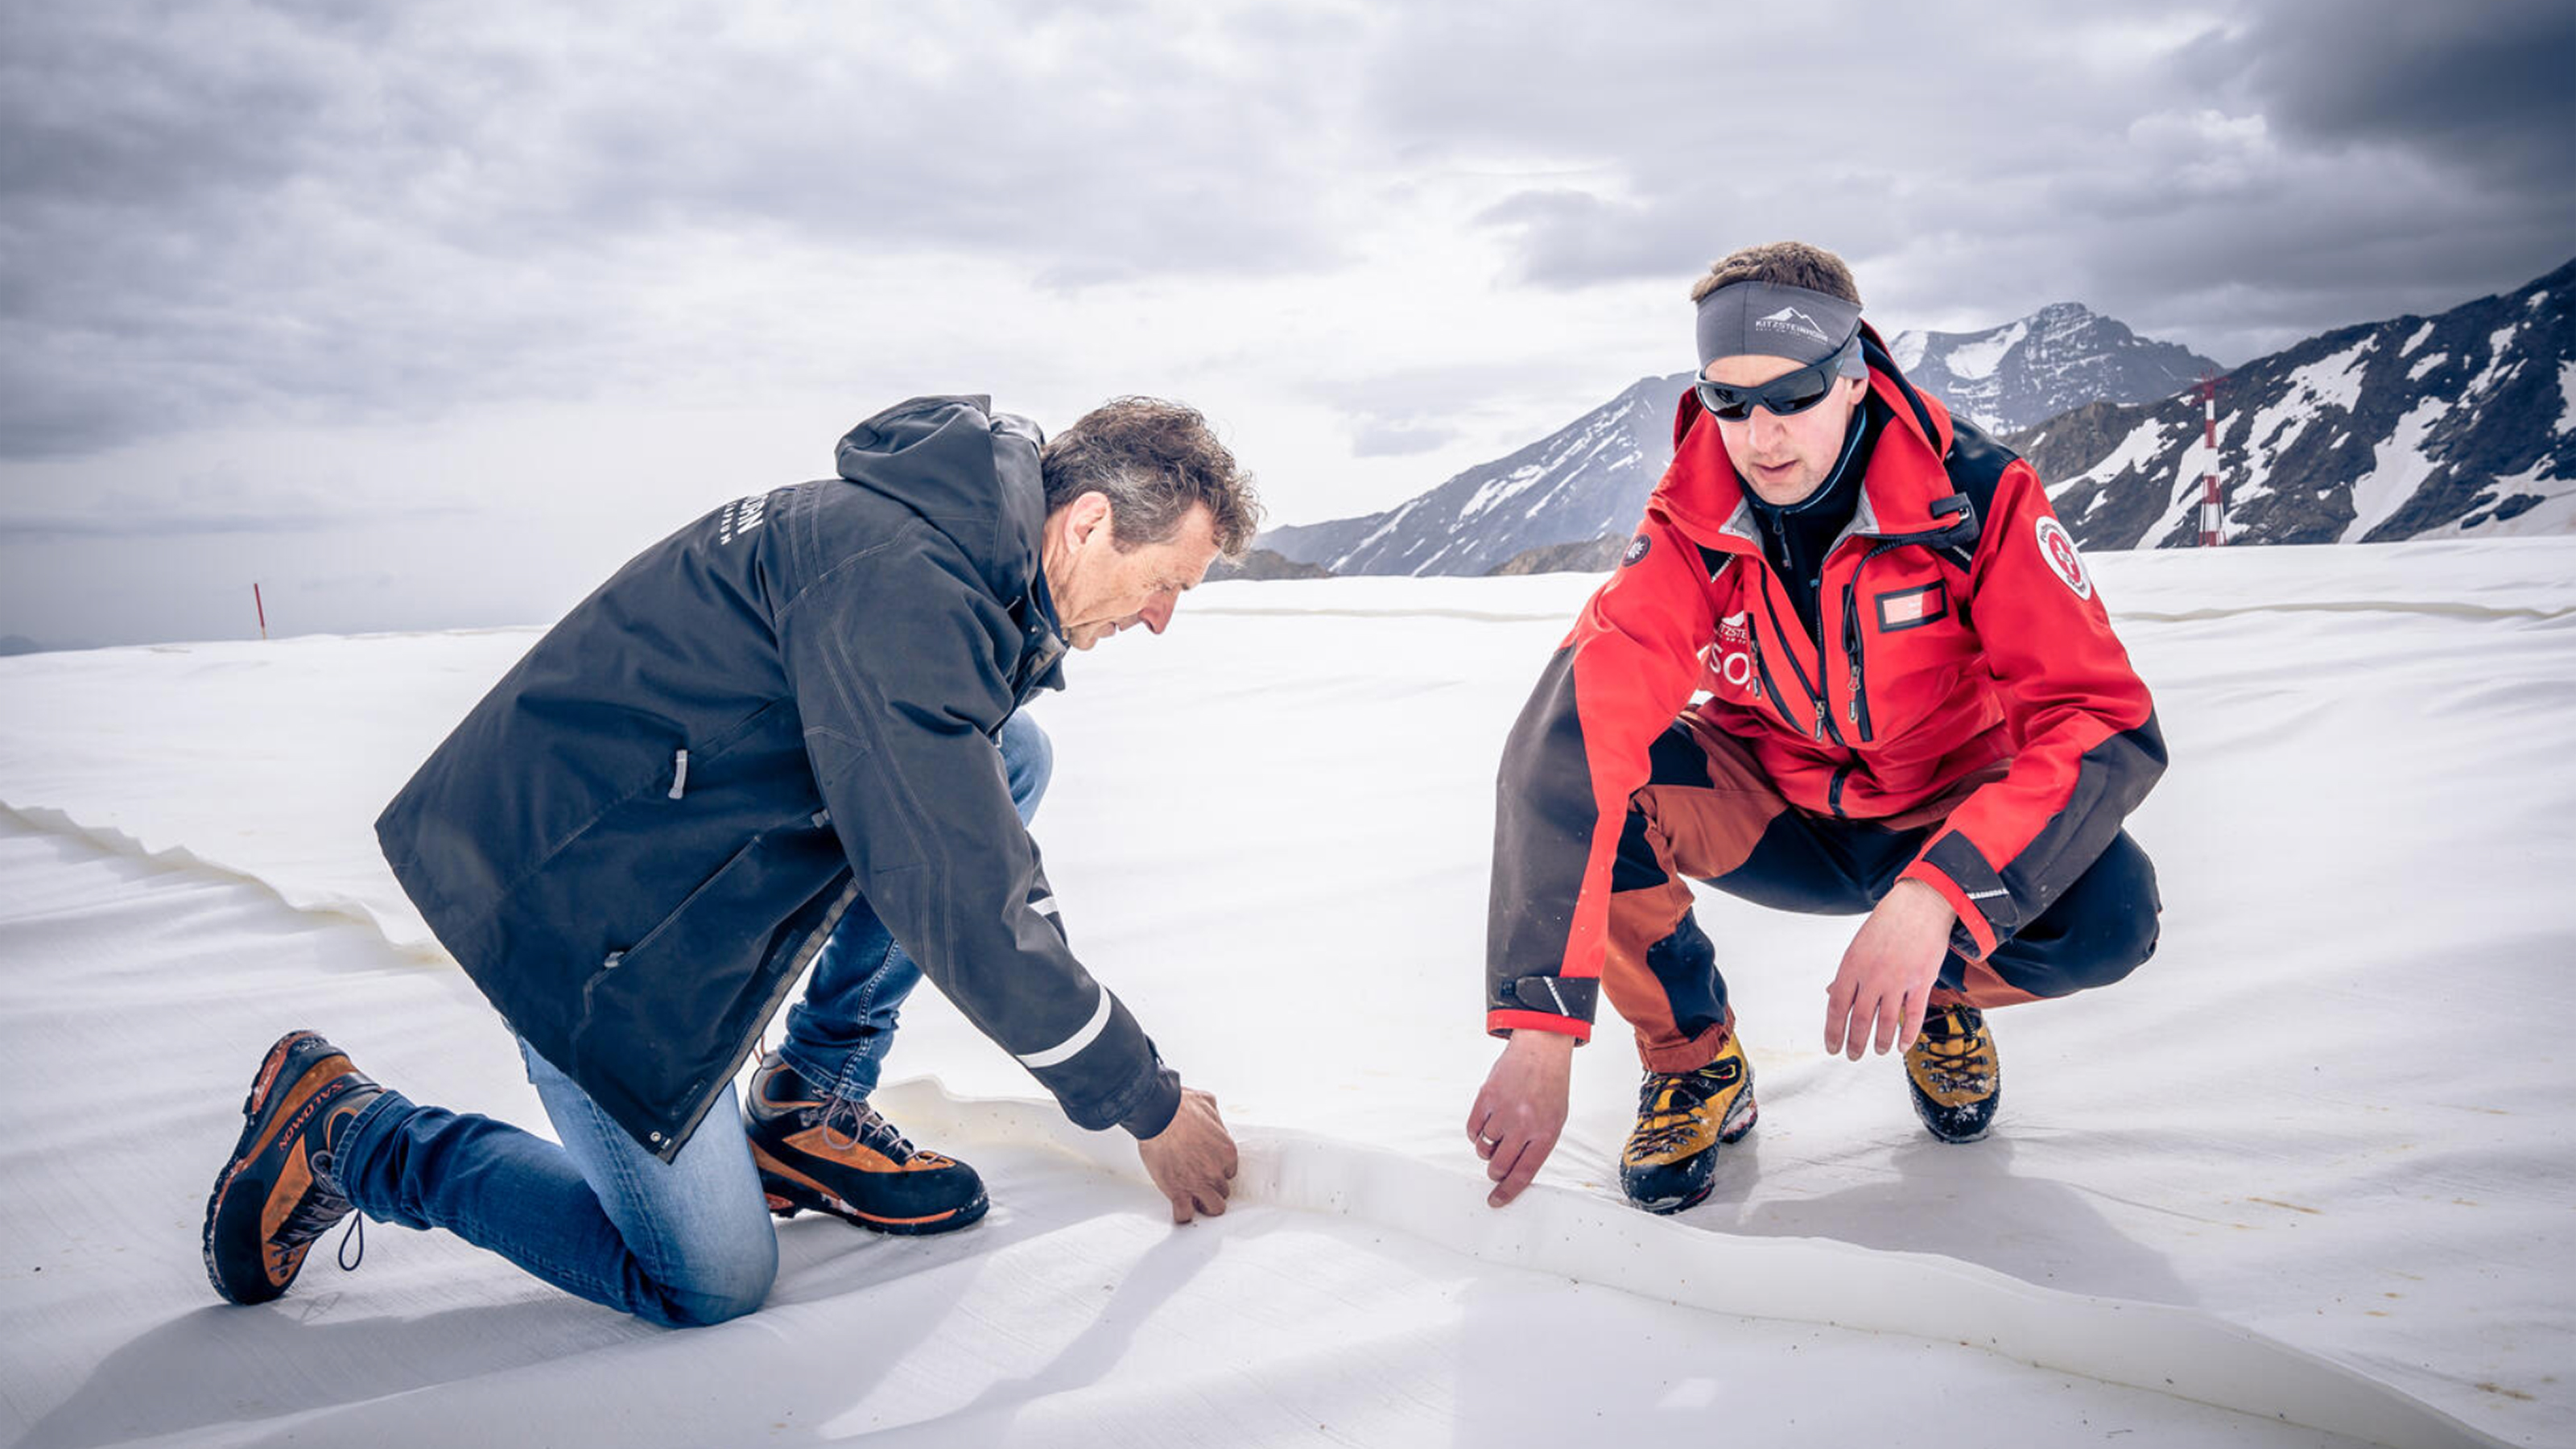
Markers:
788,736
1910,704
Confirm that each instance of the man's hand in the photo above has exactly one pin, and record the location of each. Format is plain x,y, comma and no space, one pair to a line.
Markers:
1192,1159
1521,1110
1888,973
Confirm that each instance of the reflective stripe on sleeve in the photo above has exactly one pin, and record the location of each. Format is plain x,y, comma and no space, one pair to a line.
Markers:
1066,1050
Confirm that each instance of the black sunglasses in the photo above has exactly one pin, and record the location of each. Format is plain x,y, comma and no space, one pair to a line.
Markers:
1787,395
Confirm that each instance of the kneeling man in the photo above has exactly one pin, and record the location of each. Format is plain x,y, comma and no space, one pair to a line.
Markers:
788,736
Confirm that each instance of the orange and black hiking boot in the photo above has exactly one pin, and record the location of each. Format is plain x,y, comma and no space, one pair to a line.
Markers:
1953,1075
276,1194
1682,1118
838,1156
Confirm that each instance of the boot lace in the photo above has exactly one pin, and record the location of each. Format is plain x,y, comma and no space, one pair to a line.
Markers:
323,1205
1952,1056
851,1122
1668,1109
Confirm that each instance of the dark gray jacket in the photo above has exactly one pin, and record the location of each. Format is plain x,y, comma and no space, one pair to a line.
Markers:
640,837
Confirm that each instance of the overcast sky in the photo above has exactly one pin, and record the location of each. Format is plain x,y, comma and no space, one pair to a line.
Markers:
428,315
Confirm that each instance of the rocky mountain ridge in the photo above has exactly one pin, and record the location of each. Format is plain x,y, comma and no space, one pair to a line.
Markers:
2464,422
2062,356
2415,427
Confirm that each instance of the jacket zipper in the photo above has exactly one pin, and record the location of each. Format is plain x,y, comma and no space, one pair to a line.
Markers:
1852,641
1815,700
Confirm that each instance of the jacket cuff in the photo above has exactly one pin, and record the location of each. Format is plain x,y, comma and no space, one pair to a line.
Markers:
1975,934
1156,1104
1504,1023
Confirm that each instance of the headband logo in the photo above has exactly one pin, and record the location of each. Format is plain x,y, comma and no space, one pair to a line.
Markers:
1791,320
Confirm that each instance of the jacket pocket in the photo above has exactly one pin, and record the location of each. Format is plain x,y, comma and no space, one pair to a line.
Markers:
652,1016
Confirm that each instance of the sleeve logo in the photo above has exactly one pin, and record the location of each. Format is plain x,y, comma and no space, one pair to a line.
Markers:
1636,550
741,518
2057,548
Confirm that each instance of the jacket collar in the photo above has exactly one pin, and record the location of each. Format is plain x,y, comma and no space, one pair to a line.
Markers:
1702,494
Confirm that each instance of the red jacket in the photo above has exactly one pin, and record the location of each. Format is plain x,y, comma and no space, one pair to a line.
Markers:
1962,633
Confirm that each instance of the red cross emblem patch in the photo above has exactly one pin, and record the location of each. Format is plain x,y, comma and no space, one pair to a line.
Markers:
2057,546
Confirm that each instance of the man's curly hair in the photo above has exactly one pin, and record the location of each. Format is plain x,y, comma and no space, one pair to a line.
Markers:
1154,460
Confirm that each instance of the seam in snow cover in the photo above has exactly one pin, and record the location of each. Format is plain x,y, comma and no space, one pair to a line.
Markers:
179,859
1589,1238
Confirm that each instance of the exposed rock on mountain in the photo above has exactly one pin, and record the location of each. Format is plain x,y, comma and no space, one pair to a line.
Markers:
2398,429
2410,428
2062,356
1592,556
1262,563
1586,479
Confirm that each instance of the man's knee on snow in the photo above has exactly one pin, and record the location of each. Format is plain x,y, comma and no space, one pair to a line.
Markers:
724,1290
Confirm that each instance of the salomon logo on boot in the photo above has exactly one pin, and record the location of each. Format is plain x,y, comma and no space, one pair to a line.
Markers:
1682,1119
835,1155
277,1192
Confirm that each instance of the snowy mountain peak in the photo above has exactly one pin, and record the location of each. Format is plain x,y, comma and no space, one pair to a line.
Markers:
1590,478
2410,428
2062,356
2401,429
1584,480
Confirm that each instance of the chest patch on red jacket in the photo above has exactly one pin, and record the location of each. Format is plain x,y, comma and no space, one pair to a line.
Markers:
1731,656
1912,608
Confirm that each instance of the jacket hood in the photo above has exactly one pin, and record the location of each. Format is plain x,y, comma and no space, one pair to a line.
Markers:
1701,493
970,472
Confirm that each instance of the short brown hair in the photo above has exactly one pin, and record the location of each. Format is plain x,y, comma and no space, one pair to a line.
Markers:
1154,460
1789,263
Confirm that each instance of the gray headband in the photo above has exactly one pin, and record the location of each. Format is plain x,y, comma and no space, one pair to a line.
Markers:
1775,320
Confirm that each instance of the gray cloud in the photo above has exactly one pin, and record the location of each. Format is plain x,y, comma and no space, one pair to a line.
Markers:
228,209
219,211
1406,411
1376,439
2235,186
2481,87
137,518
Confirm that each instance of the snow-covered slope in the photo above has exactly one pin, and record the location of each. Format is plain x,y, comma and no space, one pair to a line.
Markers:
2331,1117
2062,356
2458,425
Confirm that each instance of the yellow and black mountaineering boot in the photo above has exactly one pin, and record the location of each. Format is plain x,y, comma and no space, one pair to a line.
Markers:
1952,1074
1682,1118
836,1155
277,1192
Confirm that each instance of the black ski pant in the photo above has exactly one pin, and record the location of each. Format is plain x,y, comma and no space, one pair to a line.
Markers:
1708,813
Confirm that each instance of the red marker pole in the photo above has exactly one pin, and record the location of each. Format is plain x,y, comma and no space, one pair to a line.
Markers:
263,610
2213,505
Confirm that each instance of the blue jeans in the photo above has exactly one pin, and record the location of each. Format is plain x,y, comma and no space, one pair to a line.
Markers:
678,1243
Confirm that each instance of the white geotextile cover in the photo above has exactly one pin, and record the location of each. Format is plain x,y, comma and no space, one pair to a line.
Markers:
2321,1140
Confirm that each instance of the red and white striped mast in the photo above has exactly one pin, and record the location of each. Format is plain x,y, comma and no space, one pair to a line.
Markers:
2213,507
